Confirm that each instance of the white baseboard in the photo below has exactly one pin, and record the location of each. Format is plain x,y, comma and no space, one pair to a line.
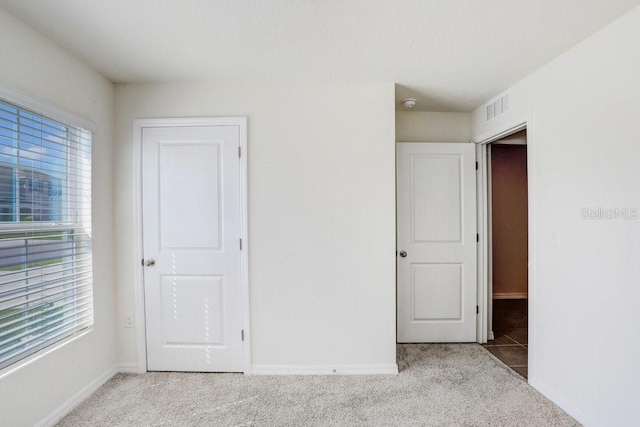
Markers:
365,369
510,295
77,399
570,409
128,368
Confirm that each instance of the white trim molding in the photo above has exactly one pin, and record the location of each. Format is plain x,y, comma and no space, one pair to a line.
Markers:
141,364
128,368
75,400
508,129
557,399
485,291
47,109
483,321
364,369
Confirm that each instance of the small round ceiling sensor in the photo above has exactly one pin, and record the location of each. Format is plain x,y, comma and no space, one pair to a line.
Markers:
409,102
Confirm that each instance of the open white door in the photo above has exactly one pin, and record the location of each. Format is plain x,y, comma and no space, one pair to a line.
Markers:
436,232
191,238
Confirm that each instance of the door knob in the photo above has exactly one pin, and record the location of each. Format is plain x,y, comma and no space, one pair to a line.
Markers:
149,263
403,254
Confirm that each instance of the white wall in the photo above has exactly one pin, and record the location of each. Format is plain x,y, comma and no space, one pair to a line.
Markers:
34,65
321,213
584,148
421,126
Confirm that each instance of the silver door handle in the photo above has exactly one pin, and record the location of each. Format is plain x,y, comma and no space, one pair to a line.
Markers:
403,254
149,263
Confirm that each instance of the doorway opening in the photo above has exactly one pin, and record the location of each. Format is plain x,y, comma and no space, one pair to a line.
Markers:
508,250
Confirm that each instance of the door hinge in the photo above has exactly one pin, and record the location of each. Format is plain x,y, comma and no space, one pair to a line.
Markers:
477,166
477,309
142,262
240,244
477,238
242,334
239,151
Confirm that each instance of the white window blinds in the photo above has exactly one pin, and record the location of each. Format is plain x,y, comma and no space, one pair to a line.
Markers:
45,232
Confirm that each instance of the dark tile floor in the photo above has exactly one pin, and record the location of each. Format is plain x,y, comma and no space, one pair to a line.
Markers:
510,329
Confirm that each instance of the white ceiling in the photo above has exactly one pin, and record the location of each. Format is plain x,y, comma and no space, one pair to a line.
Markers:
452,55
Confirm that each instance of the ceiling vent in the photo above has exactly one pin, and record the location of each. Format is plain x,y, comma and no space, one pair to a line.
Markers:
497,106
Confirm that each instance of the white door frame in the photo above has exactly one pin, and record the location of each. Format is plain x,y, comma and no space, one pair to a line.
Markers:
483,274
484,228
138,126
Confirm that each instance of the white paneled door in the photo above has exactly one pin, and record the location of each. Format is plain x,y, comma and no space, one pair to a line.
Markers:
191,238
436,232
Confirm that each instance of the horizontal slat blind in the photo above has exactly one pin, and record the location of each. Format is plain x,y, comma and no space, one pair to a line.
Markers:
46,291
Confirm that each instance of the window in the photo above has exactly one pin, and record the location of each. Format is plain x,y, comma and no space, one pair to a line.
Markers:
45,232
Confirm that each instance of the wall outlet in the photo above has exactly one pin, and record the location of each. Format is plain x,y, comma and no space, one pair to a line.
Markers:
128,320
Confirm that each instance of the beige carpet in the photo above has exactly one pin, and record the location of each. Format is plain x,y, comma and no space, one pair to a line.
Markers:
438,385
